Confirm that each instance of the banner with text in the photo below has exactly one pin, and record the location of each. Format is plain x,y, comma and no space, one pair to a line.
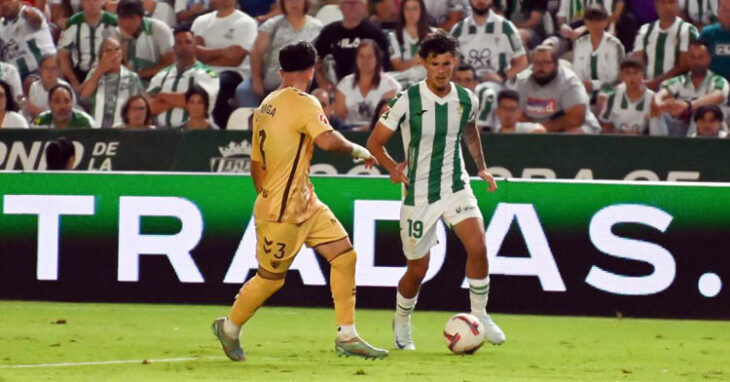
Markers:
518,156
647,250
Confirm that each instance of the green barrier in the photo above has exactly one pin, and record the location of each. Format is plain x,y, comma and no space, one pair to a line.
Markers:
642,249
518,156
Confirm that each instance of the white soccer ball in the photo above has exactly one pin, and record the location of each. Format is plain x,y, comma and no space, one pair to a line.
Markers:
464,333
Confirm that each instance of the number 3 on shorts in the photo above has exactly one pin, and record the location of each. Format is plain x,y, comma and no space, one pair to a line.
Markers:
415,228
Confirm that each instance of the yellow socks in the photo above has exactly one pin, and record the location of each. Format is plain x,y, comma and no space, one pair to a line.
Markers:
342,284
252,295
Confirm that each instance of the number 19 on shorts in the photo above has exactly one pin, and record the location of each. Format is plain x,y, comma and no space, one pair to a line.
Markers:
415,228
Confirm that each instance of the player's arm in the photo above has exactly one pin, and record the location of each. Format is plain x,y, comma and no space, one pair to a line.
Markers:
257,174
474,145
376,144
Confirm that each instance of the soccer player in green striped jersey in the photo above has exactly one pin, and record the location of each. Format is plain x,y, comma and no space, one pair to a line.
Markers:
433,116
663,44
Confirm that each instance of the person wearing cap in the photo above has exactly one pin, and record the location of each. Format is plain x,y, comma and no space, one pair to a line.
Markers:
287,211
598,54
147,42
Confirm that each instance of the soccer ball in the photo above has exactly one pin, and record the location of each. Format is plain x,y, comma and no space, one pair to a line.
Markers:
464,333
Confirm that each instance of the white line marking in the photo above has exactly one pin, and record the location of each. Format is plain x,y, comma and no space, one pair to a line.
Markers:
113,362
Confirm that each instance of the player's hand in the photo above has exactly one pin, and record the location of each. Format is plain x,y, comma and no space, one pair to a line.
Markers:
359,152
487,177
398,175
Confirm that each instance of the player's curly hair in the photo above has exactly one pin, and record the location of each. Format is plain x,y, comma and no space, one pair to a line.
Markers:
438,43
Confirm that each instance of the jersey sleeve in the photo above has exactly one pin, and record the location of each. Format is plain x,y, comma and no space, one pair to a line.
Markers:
672,85
156,83
164,39
255,142
722,85
66,41
640,37
247,29
563,10
397,112
397,53
515,41
689,35
474,107
314,118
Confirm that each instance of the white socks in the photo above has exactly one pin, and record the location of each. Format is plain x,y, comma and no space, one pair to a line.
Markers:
478,295
404,307
347,332
231,329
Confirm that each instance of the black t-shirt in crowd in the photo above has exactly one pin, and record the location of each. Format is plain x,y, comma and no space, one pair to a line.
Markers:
342,44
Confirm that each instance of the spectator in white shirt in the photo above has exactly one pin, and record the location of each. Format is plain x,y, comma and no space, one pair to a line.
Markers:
225,39
357,94
38,93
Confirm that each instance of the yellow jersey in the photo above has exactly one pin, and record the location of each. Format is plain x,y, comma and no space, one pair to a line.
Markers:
284,129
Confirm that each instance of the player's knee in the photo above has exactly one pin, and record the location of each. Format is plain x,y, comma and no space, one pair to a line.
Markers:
346,260
418,271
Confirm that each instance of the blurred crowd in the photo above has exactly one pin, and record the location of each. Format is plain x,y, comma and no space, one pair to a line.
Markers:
639,67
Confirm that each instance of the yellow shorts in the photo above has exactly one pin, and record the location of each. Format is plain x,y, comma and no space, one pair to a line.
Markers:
278,243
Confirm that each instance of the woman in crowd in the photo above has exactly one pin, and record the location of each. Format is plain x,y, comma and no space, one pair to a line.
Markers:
9,116
357,94
196,104
293,25
406,39
136,113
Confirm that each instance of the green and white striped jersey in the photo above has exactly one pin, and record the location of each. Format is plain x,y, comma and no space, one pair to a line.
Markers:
431,127
150,45
83,41
112,91
700,11
682,88
573,10
663,47
172,80
487,116
625,115
79,120
489,48
600,66
22,45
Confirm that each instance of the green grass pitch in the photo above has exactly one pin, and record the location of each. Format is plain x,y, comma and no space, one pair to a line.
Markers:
296,345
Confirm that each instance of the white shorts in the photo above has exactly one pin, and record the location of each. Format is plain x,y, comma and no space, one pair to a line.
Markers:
418,223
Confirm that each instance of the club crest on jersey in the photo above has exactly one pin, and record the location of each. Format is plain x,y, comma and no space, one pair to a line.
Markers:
542,107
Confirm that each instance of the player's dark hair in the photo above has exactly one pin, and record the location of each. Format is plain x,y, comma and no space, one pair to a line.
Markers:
57,87
508,94
297,56
438,43
595,12
463,67
378,62
697,42
717,114
632,62
196,89
58,153
182,28
10,104
423,29
376,115
129,8
148,117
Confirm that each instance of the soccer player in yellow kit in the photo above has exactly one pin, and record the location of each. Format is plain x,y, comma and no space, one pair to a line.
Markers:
287,212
